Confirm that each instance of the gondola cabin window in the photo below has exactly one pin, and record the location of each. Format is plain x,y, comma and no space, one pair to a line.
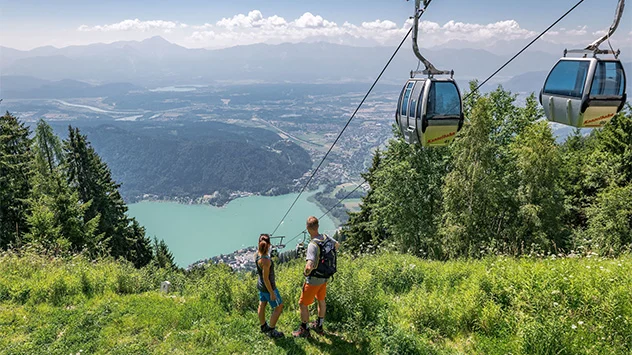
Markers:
567,78
609,80
409,88
443,100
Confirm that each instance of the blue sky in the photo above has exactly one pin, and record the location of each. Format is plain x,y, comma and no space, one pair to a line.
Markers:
31,23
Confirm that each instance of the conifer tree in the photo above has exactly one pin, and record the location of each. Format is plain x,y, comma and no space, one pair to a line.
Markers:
57,216
15,171
92,179
163,257
360,231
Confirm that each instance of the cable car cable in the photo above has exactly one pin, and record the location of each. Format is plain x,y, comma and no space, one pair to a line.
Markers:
375,82
343,129
524,49
331,209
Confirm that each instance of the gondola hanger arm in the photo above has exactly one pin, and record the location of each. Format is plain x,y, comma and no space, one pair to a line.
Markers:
430,69
617,18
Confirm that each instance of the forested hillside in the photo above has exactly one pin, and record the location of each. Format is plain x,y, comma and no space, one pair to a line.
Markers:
173,160
59,198
505,186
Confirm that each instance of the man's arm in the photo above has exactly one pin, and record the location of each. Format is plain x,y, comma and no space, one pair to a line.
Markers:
309,266
311,259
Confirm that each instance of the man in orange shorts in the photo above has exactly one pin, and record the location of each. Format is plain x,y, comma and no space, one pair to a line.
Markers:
314,286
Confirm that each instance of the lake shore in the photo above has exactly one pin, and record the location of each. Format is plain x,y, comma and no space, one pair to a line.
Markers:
201,231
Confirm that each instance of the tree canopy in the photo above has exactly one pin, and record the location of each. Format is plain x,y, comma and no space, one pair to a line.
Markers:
504,186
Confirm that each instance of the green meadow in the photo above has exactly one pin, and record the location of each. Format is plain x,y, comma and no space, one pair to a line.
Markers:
381,303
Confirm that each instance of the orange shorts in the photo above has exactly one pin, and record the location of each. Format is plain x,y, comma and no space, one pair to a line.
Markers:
310,291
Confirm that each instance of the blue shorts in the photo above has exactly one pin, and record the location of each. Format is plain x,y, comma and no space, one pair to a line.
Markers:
265,297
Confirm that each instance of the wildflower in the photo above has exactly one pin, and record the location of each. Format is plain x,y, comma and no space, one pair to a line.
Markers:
574,326
556,304
580,322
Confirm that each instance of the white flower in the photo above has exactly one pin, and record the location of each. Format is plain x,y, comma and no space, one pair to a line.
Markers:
556,304
574,326
580,322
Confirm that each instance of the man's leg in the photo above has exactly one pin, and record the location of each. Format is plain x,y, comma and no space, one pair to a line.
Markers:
307,298
322,308
304,313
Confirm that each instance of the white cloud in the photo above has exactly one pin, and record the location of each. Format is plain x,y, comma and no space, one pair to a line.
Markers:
203,35
205,26
255,27
307,20
379,25
580,31
133,25
507,30
254,19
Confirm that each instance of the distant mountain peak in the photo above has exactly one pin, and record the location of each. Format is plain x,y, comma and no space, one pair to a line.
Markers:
156,40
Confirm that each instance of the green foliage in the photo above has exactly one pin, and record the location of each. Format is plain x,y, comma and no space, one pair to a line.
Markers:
385,304
92,179
15,171
409,198
196,159
363,231
162,255
610,221
57,216
504,186
63,201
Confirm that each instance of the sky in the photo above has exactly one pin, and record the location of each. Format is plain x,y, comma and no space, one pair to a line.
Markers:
26,24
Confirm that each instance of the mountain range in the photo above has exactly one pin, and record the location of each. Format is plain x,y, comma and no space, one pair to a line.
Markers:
155,62
101,70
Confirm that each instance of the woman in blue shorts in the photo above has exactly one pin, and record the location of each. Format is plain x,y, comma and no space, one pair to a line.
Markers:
266,285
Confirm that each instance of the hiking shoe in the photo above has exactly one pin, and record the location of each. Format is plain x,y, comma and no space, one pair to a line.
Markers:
317,328
301,333
266,329
275,334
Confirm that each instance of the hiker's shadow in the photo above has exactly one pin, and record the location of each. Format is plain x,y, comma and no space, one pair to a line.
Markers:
332,343
290,346
326,343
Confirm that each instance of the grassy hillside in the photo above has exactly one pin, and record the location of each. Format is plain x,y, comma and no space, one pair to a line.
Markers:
384,303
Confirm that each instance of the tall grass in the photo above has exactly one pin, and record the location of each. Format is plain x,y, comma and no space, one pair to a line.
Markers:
385,303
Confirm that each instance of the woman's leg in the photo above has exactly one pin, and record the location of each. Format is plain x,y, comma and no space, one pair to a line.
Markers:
275,315
262,312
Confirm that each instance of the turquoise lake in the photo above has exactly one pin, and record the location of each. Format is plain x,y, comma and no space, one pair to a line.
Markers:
195,232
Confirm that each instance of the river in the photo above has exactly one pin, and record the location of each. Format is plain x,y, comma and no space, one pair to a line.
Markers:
195,232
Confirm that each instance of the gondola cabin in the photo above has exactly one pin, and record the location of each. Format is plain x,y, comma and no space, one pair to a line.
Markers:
429,111
584,92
